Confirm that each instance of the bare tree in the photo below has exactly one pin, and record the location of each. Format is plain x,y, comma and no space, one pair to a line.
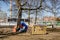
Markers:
24,5
18,3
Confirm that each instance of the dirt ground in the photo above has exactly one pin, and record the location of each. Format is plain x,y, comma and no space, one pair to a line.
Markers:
29,36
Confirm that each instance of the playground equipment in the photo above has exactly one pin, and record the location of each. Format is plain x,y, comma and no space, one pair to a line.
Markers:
39,29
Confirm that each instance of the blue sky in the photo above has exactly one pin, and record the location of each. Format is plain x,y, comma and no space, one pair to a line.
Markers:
6,7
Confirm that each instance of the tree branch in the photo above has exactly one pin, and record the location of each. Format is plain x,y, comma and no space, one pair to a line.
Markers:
24,4
40,7
28,9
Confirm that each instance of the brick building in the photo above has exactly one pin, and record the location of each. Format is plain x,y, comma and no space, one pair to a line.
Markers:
50,18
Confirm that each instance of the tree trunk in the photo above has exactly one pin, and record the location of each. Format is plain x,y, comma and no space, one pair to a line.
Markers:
36,17
18,3
19,16
29,17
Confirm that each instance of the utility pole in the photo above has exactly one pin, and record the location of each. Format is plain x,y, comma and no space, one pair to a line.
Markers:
10,8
